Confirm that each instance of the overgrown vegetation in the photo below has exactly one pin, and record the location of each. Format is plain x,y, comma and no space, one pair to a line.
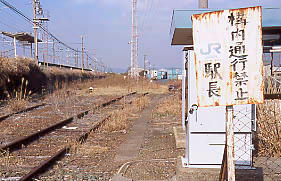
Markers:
115,84
19,98
36,79
119,119
269,128
169,106
272,85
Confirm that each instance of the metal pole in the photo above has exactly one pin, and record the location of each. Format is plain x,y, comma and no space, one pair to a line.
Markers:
15,47
31,50
35,30
230,143
87,61
23,50
47,45
82,56
144,59
76,58
43,51
53,52
203,4
60,60
271,69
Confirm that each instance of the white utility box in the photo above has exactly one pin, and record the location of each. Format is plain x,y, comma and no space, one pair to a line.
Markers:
205,127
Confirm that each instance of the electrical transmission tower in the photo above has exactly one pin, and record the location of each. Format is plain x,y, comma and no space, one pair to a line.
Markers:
134,41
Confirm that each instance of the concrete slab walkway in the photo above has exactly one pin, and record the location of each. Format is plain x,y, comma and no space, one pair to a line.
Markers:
130,148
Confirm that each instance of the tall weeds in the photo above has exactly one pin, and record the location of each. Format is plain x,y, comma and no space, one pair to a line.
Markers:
269,128
119,119
169,106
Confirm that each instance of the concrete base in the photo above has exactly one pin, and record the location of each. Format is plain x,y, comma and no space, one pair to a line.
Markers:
179,136
195,174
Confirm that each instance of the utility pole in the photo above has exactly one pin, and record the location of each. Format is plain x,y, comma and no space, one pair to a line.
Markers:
76,58
53,52
87,61
35,27
82,56
134,41
203,4
47,47
144,60
43,51
15,47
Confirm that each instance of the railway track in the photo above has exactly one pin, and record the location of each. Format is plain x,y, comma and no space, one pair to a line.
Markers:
3,117
53,142
32,119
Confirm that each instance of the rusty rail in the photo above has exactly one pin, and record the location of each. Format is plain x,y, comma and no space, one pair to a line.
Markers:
44,166
17,144
21,111
61,153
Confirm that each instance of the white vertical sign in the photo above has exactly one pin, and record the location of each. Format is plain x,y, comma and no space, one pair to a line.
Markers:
228,57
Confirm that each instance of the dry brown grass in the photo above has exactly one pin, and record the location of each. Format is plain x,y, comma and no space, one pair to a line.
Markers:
271,85
116,84
16,66
16,105
13,70
269,128
169,106
119,119
19,98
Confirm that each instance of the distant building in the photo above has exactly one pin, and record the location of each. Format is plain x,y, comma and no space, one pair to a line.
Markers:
162,74
174,73
170,73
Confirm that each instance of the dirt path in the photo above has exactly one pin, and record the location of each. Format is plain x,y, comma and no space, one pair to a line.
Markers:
130,148
149,151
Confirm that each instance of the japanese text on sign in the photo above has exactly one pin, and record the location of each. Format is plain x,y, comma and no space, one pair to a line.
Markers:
228,57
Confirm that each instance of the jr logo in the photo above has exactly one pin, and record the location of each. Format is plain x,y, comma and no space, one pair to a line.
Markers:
211,46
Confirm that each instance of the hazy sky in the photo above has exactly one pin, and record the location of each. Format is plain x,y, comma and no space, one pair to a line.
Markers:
106,26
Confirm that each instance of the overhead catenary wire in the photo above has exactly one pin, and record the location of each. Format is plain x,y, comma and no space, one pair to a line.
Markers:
15,20
44,30
146,15
31,21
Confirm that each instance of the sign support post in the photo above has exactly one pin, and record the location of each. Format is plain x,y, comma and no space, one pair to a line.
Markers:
230,143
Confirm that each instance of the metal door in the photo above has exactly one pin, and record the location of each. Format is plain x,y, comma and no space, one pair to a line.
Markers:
206,125
206,129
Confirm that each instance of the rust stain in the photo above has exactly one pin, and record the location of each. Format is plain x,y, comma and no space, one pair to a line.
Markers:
254,8
207,16
196,76
216,103
209,20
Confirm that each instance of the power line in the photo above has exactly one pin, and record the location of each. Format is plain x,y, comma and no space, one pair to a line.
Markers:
31,21
43,29
14,19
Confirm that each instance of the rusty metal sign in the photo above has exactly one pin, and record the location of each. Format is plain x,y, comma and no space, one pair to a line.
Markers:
228,57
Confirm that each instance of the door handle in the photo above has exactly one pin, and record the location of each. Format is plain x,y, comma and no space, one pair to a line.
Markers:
193,108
